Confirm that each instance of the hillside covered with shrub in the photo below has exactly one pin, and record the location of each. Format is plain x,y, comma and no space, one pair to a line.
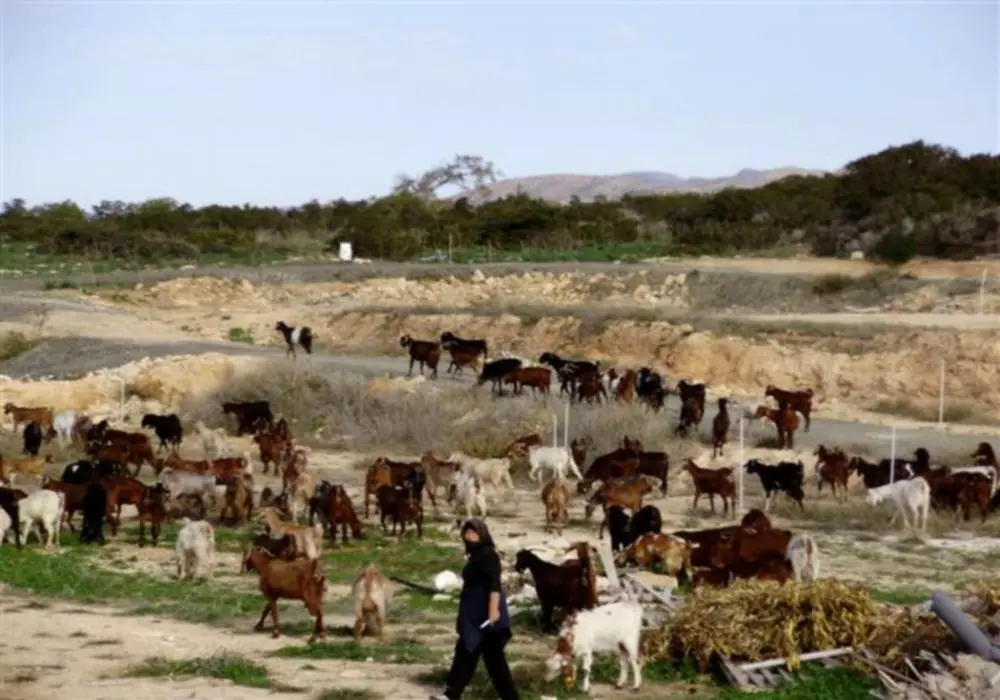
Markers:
914,199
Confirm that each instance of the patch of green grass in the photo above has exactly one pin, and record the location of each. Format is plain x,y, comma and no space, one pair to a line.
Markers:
227,667
907,595
348,694
817,683
14,344
531,684
60,284
409,558
240,335
72,574
397,651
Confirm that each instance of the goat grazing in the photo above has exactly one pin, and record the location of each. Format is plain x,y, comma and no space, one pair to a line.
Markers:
302,579
912,496
195,549
45,509
610,628
371,602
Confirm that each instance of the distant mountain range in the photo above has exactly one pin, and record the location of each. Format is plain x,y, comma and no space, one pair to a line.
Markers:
560,188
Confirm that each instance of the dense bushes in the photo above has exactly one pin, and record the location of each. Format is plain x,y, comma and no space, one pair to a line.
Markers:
915,199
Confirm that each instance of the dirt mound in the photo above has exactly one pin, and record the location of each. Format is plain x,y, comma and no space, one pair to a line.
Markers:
895,365
480,290
148,384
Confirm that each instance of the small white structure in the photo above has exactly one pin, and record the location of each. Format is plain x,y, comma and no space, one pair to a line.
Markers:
346,253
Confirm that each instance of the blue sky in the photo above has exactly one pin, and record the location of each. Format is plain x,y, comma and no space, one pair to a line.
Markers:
281,103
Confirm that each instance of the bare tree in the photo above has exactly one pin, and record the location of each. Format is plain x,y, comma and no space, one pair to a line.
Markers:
471,174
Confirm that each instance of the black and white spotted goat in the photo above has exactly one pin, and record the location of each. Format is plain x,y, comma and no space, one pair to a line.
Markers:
301,336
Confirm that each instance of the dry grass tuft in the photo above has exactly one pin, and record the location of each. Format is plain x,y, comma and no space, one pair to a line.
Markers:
339,411
967,412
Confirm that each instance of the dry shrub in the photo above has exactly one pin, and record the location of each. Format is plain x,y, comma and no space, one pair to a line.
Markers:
14,344
339,411
757,620
955,411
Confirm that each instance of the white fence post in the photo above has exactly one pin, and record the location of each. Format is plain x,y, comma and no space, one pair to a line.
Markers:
982,290
121,395
555,430
739,470
941,397
892,456
566,428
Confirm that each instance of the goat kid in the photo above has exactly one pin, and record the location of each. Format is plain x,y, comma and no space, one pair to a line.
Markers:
611,628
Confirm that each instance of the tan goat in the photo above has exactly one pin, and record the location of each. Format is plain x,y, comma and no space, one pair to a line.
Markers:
371,602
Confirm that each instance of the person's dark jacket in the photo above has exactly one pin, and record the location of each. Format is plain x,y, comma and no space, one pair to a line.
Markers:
480,578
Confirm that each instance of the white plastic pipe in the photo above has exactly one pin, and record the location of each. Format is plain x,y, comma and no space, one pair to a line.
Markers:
121,395
982,291
555,430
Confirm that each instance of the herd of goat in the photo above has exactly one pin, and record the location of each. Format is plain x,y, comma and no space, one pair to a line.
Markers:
286,554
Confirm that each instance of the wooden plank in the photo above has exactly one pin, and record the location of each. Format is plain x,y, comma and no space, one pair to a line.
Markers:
659,598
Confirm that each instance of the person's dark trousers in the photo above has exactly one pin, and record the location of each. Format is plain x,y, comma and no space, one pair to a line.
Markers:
463,667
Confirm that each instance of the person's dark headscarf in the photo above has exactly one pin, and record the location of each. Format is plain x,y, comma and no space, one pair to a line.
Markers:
479,527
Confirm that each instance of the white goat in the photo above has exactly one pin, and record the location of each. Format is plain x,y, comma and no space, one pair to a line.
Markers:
495,472
467,490
44,508
558,459
63,423
195,549
5,525
210,444
911,496
803,555
612,628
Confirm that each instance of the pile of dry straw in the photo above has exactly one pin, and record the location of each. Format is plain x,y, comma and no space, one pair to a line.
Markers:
756,621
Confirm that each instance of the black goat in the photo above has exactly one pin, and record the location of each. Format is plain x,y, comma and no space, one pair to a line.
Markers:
496,371
784,476
32,439
9,504
167,428
301,336
85,471
95,509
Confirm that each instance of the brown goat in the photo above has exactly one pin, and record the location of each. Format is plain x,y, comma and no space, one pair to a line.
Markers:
386,471
538,378
274,547
626,492
340,510
438,473
773,568
555,496
153,510
371,602
400,505
590,387
711,482
691,414
301,579
273,449
832,467
122,490
22,414
463,356
625,391
785,421
238,505
423,352
800,401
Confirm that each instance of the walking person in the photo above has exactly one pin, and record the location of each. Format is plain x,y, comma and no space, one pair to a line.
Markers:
483,624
